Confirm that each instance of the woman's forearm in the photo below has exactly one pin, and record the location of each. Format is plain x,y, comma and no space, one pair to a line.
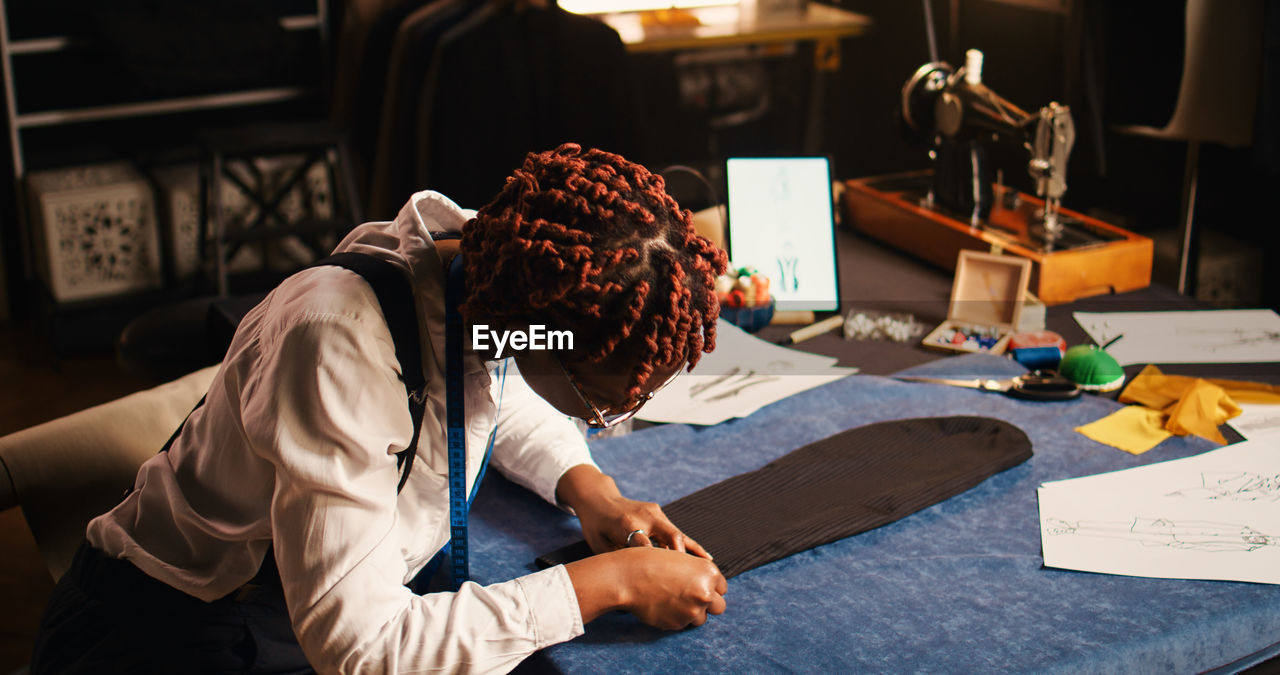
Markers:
599,584
582,484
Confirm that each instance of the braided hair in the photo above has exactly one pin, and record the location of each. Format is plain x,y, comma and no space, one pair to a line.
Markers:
587,241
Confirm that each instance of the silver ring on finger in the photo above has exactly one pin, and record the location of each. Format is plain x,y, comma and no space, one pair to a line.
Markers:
634,533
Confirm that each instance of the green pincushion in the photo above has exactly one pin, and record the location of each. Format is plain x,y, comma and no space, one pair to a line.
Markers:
1091,368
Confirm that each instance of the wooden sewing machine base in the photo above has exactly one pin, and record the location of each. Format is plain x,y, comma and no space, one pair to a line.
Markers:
1089,258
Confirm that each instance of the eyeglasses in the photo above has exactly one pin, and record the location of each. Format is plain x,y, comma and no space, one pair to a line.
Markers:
604,419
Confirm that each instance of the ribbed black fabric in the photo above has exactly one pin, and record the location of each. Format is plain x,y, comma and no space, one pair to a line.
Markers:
839,486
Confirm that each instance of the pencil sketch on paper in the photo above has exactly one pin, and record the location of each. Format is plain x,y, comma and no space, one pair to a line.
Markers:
1192,535
1230,338
1235,486
1200,336
1257,420
730,384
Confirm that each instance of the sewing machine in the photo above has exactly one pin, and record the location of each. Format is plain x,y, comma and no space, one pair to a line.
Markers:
960,203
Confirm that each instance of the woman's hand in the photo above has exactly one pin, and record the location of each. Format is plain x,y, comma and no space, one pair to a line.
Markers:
611,521
665,589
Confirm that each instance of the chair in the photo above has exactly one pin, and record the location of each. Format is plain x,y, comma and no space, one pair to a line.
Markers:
275,197
1217,98
291,217
67,471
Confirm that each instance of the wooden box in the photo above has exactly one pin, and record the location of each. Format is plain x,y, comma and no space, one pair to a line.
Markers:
95,232
986,303
1099,258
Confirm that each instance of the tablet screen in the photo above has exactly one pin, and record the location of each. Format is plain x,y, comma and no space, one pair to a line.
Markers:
781,223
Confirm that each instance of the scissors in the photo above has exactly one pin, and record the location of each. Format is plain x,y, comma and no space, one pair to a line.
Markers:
1037,385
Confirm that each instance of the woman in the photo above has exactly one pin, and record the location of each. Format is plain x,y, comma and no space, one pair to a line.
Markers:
292,459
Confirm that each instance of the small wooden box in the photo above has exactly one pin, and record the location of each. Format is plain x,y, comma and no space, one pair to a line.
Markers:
986,300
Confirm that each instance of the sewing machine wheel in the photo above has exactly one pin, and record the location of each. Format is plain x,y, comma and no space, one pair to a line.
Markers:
920,94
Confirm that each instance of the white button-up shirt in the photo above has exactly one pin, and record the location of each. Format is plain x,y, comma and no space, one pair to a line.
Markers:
296,445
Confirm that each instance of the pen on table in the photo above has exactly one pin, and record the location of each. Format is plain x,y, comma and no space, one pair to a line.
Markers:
812,330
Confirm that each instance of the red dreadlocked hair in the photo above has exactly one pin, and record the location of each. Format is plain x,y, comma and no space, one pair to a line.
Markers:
587,241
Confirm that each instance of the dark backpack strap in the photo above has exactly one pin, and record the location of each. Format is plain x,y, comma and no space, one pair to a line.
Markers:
169,443
172,437
395,296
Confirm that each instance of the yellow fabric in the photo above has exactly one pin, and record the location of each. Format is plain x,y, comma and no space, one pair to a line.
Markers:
1201,409
1154,389
1175,404
1134,429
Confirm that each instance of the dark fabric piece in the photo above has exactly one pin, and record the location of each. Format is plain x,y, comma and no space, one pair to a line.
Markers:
107,616
839,486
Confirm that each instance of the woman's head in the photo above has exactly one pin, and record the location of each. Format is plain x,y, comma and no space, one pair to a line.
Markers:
586,241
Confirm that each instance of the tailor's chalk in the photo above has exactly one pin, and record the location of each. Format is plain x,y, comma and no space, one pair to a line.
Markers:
813,330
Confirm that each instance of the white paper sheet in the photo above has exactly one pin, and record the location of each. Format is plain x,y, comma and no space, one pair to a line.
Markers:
1212,516
742,375
1211,336
1256,420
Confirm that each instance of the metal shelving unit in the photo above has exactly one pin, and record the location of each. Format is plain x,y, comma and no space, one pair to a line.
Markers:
20,119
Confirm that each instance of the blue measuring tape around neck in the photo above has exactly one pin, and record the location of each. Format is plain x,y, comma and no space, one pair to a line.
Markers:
455,417
458,547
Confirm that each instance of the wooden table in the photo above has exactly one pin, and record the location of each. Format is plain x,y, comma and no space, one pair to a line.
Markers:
744,26
733,25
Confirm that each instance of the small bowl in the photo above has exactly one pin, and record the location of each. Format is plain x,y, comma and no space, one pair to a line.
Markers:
750,319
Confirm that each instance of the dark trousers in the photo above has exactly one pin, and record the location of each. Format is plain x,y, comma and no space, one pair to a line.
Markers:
107,616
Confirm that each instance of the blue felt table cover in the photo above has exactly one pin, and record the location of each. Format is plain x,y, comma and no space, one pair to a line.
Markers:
957,587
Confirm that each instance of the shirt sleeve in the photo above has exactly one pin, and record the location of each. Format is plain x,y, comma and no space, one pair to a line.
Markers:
329,412
534,444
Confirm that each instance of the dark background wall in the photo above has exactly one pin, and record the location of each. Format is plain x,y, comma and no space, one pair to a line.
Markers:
1114,62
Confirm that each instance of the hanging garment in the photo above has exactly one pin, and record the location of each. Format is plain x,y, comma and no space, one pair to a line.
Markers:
361,26
412,47
514,81
360,79
844,484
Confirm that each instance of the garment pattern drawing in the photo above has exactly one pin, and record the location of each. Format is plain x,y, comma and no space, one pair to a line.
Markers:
1239,486
1227,338
1193,535
1257,424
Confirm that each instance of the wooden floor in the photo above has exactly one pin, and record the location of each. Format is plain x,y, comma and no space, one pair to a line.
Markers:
34,388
